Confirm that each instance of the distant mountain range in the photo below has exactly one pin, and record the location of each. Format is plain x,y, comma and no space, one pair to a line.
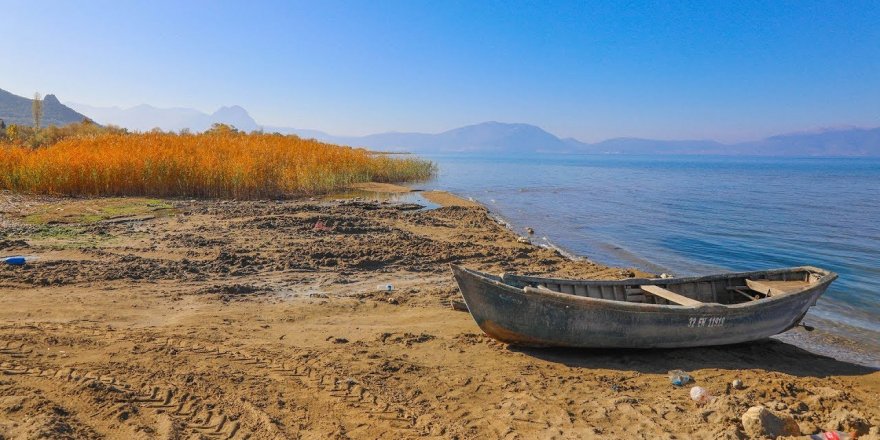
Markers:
17,110
490,137
145,117
486,137
498,137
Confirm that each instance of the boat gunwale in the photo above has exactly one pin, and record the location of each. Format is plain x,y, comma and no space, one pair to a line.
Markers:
587,301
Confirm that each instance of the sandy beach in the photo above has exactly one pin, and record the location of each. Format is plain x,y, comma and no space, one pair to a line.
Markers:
182,319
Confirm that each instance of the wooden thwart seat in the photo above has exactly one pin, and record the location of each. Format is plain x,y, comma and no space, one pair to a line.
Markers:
670,295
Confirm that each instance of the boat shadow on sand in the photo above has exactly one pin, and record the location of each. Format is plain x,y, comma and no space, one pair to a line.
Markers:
768,354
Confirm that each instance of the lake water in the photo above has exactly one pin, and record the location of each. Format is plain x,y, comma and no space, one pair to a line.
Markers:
692,215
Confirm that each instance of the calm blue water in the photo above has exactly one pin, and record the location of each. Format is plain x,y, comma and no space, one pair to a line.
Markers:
695,215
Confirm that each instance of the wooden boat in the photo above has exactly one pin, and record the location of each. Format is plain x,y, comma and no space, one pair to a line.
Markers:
641,313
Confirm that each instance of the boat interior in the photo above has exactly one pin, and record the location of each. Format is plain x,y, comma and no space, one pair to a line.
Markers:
721,289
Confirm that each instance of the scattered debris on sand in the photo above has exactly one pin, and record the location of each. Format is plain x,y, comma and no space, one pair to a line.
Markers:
240,319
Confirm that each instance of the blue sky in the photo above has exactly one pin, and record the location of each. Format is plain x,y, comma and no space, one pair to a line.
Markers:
727,70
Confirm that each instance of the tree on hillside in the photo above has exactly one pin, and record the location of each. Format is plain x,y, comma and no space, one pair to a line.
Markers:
38,110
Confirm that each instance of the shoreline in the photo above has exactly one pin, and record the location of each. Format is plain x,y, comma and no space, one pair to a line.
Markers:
842,346
280,311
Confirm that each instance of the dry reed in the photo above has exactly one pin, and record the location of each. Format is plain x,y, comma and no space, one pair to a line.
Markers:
215,164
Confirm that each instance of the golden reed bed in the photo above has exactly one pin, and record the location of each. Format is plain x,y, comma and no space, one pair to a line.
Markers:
218,163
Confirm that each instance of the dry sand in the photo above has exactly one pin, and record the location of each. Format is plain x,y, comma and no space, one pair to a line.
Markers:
223,319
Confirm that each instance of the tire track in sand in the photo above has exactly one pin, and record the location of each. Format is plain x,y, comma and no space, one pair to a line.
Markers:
176,412
301,368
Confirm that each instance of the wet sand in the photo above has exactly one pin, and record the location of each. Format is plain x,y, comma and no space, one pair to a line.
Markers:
261,320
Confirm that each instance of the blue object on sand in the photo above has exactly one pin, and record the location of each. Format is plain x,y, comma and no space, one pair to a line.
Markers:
679,378
15,261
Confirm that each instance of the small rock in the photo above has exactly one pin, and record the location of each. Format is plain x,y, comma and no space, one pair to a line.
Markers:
737,384
848,421
760,422
799,407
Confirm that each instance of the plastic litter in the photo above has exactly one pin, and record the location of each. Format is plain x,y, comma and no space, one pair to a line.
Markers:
737,384
385,287
832,435
679,377
16,260
700,395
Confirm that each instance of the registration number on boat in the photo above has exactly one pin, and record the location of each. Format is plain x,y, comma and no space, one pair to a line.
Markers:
706,321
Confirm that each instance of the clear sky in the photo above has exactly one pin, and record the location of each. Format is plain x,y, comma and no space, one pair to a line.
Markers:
727,70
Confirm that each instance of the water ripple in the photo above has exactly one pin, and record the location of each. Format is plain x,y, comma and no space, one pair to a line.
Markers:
693,215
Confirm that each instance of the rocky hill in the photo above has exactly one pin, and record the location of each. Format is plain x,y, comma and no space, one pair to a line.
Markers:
16,109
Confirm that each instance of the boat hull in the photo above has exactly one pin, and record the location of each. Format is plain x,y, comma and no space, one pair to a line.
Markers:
530,317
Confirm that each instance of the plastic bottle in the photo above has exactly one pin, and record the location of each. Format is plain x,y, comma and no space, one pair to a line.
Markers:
679,377
700,395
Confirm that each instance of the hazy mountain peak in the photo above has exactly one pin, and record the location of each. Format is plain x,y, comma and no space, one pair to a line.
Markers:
236,116
51,99
496,125
231,109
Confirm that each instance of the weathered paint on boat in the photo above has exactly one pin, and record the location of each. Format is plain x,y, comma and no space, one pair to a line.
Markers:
534,311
